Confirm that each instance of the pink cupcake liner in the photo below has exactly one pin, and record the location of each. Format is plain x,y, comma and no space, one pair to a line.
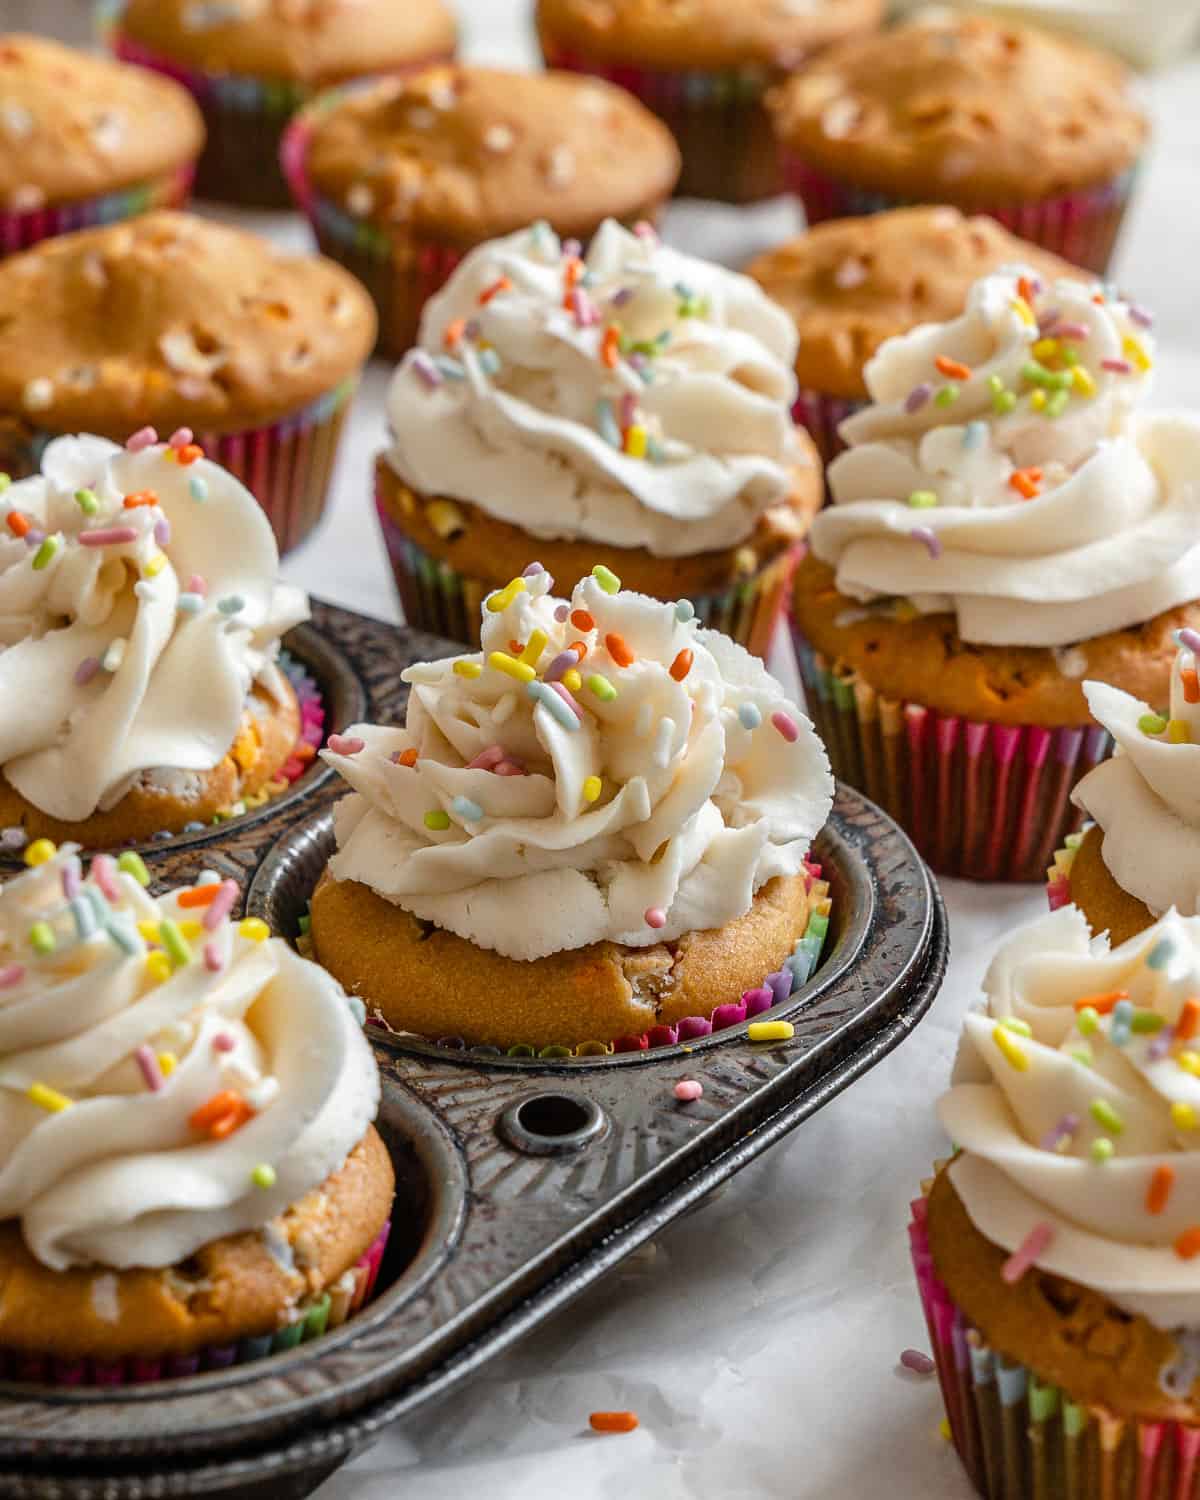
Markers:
1019,1437
821,416
329,1311
21,231
982,800
1082,227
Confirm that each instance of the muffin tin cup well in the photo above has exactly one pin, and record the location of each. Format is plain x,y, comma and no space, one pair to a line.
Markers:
21,231
525,1179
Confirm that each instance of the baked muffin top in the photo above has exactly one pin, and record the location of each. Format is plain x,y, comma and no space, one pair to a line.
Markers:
173,320
73,126
472,153
850,284
963,109
704,33
311,41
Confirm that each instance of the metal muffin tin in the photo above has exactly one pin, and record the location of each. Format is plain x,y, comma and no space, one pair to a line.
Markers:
520,1181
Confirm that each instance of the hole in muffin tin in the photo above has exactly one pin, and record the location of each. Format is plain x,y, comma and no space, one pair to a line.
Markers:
550,1124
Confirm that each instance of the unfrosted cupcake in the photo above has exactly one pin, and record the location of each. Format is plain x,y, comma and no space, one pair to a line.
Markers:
86,141
704,68
633,401
401,180
191,1178
852,284
140,618
592,833
1056,1254
251,64
176,321
992,117
1005,525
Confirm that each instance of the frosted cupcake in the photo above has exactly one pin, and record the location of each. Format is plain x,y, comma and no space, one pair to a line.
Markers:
141,612
636,401
592,833
1056,1254
191,1178
1005,525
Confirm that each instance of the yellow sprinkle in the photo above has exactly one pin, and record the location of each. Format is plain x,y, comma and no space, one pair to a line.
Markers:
770,1031
155,565
944,1429
1183,1116
191,929
171,456
509,664
1189,1061
635,442
149,930
1136,354
592,788
1045,349
1016,1056
467,669
49,1099
1038,399
1083,382
255,929
39,852
572,680
167,1062
1178,732
534,647
158,966
1023,310
498,602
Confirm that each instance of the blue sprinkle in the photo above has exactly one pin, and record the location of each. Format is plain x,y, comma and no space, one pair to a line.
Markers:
974,434
749,716
489,362
232,604
85,917
1160,955
189,604
685,610
1119,1030
450,368
198,489
607,423
544,694
469,811
655,451
122,933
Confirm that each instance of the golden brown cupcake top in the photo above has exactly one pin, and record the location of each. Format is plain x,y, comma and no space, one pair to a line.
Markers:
672,34
311,41
471,153
173,320
851,284
74,126
963,109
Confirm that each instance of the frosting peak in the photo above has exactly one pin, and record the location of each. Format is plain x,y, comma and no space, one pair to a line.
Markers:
601,770
606,398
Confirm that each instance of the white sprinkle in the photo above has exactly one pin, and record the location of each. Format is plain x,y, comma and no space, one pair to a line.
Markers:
849,274
106,1301
38,394
263,1094
115,655
499,139
360,200
502,712
840,118
662,743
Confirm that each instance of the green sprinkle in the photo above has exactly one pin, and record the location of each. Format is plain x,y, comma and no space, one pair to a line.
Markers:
438,821
45,554
601,687
173,941
1147,1022
1152,724
1003,401
607,579
1057,403
947,396
1069,356
41,938
1102,1149
1106,1116
995,384
87,502
1014,1023
133,864
5,481
1088,1020
1082,1055
263,1175
923,499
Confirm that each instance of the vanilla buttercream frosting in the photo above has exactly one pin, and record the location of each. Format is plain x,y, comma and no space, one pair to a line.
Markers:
1003,474
602,770
1076,1105
168,1076
139,602
636,396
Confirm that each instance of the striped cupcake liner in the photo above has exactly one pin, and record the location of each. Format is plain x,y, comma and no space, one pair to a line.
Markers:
982,800
287,466
821,416
1020,1437
1058,876
718,119
334,1307
1082,226
439,599
22,230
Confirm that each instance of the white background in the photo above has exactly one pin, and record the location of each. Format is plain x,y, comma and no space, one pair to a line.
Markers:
757,1340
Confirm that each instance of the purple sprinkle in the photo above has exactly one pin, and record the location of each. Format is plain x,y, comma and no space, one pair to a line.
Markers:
532,569
1189,638
568,699
563,662
562,613
1048,319
628,409
86,670
1141,317
472,330
1161,1044
918,396
162,532
918,1363
34,537
623,296
572,249
1075,332
584,309
930,539
1065,1128
1117,366
425,370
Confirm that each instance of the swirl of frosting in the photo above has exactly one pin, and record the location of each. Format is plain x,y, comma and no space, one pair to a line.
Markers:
1146,798
139,601
1076,1102
1001,474
167,1077
601,770
639,397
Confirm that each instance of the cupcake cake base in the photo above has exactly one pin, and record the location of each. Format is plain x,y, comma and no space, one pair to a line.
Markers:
1079,876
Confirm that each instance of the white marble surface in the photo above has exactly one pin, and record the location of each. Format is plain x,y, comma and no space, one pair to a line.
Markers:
758,1338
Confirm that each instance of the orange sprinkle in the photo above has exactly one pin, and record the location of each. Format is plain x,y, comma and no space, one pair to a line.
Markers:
515,647
453,335
579,649
953,369
1160,1189
613,1421
140,498
682,665
407,758
615,646
1187,1246
573,272
216,1108
504,284
199,895
1102,1004
1025,289
18,524
1191,685
582,620
1098,298
189,453
234,1120
610,349
1027,482
1189,1020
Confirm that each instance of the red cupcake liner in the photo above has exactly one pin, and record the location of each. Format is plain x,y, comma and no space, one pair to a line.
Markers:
22,230
821,416
334,1307
1082,227
982,800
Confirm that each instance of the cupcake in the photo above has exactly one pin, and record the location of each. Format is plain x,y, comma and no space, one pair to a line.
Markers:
180,322
594,832
140,616
851,284
251,64
1056,1253
991,117
1004,526
401,180
86,141
191,1178
704,69
635,402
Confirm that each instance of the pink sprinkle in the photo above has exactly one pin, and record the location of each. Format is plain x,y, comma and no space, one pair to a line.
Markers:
107,536
487,760
11,974
1190,638
917,397
918,1363
509,768
1074,332
628,409
72,879
655,917
687,1090
566,696
1141,317
584,309
572,249
221,905
213,961
562,613
151,1071
1048,319
929,539
162,532
646,231
104,873
144,437
197,585
223,1042
1117,366
86,670
563,662
181,437
786,725
425,370
622,296
532,570
1036,1242
342,744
